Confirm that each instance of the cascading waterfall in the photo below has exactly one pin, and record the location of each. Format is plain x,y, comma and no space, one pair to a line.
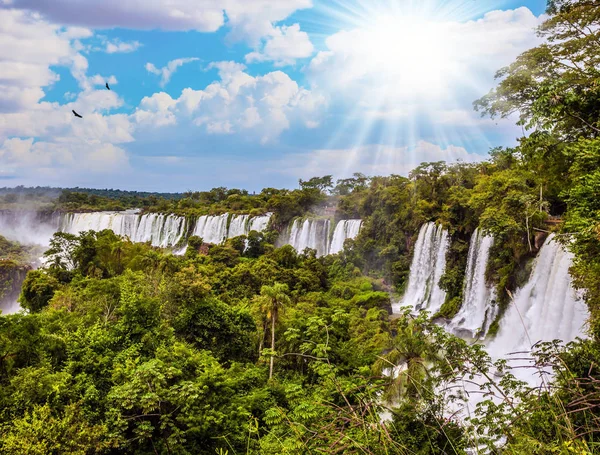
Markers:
312,234
546,308
160,230
259,223
345,229
238,226
36,228
478,309
212,229
428,264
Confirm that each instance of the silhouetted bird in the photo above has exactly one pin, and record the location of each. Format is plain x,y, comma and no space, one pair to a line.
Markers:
107,86
76,114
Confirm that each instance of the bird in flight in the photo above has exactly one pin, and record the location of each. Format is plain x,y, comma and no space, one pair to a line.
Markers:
107,86
76,114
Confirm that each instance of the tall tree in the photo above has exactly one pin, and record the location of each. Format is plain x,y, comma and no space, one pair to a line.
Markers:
273,300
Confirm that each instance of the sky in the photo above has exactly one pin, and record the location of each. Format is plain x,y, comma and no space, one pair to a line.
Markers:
248,93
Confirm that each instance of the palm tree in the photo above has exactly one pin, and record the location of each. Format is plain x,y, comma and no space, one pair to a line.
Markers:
272,300
409,356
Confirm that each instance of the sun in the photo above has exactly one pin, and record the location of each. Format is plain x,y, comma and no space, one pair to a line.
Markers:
411,48
408,51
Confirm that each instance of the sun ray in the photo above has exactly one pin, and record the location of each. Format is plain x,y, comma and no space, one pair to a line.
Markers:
401,73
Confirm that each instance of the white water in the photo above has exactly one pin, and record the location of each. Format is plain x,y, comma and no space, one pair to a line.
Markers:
345,229
214,229
312,234
28,227
546,308
428,264
160,230
238,226
243,225
31,228
479,308
259,223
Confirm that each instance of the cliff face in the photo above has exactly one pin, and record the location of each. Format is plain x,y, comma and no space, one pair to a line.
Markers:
12,276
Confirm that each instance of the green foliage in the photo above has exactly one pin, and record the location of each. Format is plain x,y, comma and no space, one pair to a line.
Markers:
247,348
38,288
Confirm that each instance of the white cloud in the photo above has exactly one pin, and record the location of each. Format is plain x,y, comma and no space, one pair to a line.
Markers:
263,106
43,138
249,19
123,47
166,72
26,157
28,49
370,160
76,33
397,67
283,45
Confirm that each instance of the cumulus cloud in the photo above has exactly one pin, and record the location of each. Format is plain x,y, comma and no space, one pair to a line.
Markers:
370,160
262,105
29,47
38,137
283,45
248,19
101,80
121,47
26,157
167,71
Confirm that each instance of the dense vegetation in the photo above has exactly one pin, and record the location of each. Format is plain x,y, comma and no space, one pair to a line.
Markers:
233,349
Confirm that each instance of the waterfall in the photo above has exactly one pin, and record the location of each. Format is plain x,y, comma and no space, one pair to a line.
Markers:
428,264
345,229
546,308
212,229
312,234
164,231
238,226
259,223
478,310
160,230
243,225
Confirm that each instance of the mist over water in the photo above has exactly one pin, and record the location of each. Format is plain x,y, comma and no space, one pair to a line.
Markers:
29,227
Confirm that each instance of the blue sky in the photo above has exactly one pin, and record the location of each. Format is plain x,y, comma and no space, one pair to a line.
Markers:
248,93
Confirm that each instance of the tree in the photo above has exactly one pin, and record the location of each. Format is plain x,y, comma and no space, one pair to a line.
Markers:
410,355
554,86
272,300
320,183
38,288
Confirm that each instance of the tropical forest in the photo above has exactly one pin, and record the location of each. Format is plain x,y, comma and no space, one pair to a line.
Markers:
450,310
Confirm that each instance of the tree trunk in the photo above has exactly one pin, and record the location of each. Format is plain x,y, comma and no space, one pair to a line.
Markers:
261,341
272,344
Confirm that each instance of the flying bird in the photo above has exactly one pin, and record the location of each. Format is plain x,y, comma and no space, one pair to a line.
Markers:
76,114
107,86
